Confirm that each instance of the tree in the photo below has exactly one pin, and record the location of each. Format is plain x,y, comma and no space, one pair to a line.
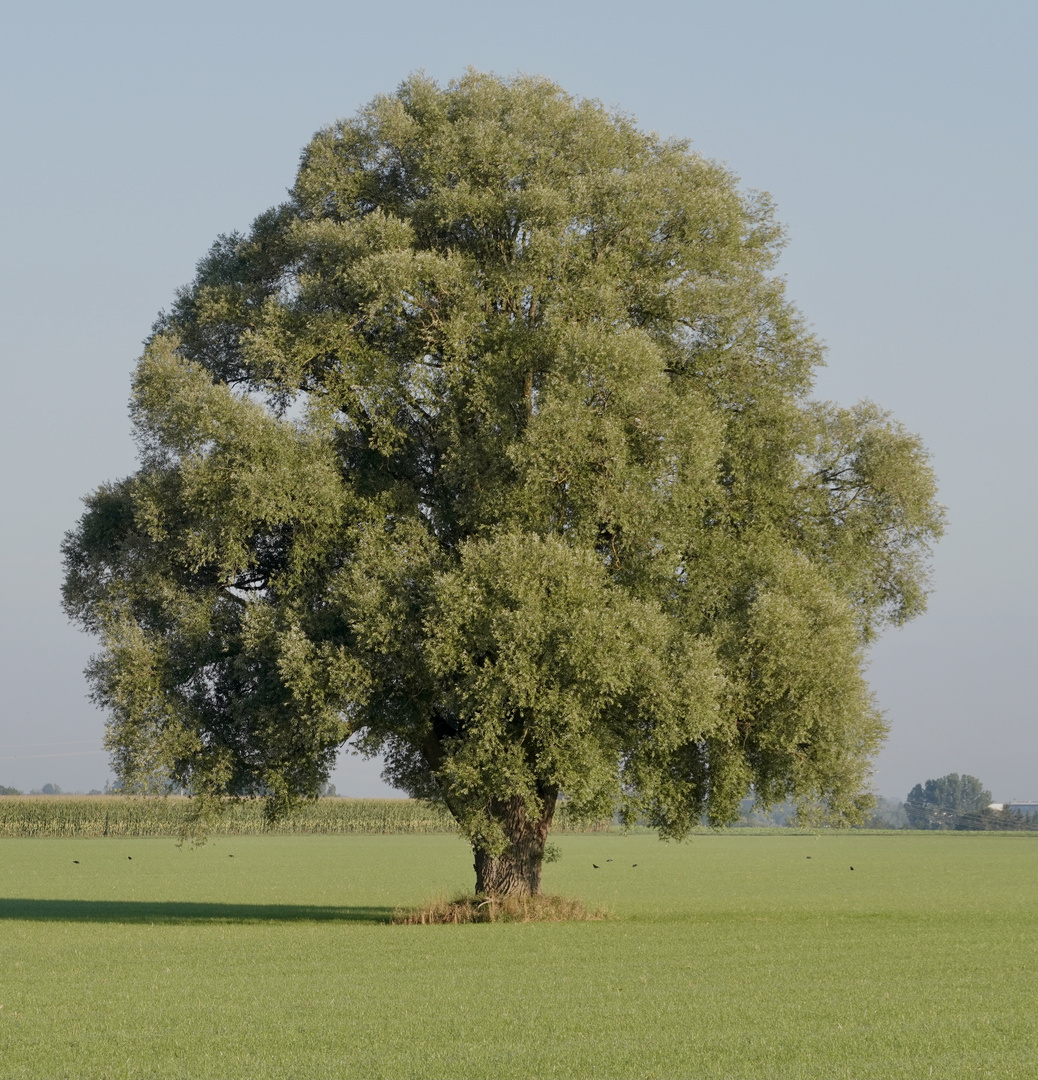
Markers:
492,448
8,790
950,802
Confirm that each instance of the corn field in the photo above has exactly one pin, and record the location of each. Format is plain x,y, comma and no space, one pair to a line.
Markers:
114,815
122,815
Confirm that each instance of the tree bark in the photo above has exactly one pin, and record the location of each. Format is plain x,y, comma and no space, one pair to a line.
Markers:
517,870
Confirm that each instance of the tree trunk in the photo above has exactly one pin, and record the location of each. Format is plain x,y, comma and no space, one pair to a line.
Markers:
517,870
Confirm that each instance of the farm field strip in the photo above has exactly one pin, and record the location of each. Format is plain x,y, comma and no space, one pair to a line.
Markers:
129,816
730,956
71,816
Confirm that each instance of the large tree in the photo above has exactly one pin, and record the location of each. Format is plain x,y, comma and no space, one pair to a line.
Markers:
949,802
492,448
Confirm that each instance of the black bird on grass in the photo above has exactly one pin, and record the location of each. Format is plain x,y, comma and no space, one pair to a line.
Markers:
595,865
76,861
852,867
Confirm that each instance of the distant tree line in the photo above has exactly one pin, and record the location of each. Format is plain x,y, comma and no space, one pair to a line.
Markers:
47,789
961,802
951,802
327,790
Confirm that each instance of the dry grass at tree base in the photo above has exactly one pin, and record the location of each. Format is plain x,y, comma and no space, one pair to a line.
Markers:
498,909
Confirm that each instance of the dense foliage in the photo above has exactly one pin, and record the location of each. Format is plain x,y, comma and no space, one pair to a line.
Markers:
493,448
951,801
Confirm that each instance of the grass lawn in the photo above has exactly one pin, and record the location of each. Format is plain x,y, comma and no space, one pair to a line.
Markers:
730,956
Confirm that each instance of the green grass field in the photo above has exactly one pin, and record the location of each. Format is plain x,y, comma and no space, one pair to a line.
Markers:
730,956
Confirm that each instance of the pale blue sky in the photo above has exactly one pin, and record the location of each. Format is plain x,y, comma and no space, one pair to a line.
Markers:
898,140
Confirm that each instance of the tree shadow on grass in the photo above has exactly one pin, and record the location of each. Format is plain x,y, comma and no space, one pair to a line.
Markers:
177,912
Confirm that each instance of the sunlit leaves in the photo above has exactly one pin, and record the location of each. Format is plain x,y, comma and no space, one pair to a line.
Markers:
493,447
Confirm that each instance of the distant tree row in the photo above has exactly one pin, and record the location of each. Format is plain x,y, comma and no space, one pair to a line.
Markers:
327,790
949,802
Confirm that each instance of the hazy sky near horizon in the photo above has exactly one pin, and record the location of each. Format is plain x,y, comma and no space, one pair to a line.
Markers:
897,139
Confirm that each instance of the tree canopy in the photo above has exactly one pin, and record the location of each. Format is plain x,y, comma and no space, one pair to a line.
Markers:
949,802
493,449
